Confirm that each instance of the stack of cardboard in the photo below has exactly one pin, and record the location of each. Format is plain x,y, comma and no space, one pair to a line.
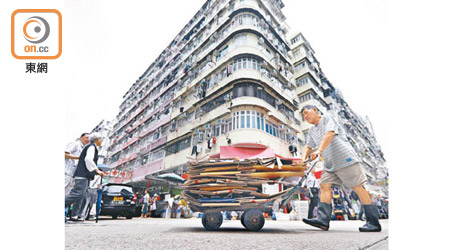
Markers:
235,184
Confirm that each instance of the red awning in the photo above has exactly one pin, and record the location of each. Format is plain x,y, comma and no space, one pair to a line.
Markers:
245,153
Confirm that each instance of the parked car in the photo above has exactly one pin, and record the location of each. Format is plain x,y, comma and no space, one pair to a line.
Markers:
118,200
138,209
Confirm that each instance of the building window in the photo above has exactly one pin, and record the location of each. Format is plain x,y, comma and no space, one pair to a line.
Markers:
300,65
224,126
240,40
306,97
222,53
178,146
302,81
253,119
217,130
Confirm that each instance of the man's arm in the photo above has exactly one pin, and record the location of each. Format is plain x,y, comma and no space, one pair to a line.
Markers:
306,152
69,156
68,151
326,140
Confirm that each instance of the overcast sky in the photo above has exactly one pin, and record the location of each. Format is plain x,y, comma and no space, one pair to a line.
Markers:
110,46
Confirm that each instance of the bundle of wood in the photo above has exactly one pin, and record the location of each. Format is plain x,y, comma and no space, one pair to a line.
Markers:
235,184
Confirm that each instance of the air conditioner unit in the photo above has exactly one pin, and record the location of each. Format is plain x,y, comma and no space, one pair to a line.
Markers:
219,121
196,131
208,126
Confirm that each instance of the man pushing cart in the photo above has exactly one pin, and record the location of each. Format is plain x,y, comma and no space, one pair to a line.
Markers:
342,166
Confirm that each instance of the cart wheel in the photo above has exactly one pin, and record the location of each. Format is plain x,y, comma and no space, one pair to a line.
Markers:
253,220
242,218
212,221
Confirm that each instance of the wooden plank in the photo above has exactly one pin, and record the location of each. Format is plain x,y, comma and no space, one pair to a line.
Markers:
199,181
215,185
243,201
232,182
221,173
260,194
217,204
272,175
297,168
221,169
227,188
217,200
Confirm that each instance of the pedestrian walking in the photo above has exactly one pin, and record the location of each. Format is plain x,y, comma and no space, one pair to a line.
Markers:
342,166
145,200
175,205
71,155
86,170
313,186
153,205
169,207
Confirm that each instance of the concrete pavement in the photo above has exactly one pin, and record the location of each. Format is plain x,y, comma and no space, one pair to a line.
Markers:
157,233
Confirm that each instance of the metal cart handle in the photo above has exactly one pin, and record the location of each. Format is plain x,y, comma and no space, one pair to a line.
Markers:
312,164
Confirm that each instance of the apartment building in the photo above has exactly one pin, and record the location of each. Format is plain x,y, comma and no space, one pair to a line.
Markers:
231,83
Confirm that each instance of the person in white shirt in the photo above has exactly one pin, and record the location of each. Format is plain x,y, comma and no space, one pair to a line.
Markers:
72,153
86,170
145,205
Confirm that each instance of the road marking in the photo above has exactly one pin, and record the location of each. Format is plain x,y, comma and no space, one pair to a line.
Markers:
373,244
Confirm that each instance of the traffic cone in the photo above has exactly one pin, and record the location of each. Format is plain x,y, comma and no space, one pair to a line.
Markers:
285,210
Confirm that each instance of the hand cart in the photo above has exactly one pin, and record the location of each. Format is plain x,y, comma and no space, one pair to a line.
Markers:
252,218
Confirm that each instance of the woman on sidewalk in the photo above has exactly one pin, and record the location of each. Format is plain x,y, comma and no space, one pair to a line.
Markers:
144,207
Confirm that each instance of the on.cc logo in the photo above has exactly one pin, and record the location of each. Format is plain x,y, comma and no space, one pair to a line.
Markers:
39,29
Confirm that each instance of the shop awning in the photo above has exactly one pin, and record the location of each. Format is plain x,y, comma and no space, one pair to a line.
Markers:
245,153
171,176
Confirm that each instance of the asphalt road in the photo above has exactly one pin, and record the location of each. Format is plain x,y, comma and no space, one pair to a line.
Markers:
157,233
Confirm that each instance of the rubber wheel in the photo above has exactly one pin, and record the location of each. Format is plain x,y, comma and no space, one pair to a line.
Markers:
242,218
129,216
115,216
212,221
253,220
